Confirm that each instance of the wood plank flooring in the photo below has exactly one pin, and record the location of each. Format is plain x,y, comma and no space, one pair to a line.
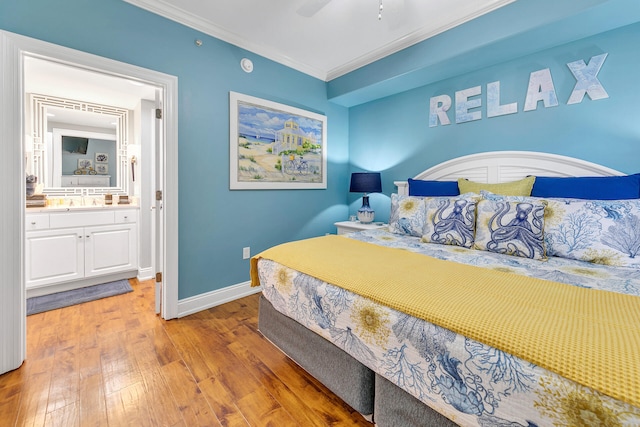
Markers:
113,362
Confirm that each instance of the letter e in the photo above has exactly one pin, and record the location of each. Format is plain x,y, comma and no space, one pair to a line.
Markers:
463,105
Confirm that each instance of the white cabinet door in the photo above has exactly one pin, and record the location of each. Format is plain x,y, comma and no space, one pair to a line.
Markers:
93,180
54,256
69,181
110,249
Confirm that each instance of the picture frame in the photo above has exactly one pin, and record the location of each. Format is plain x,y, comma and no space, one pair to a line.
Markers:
85,164
102,169
102,158
275,146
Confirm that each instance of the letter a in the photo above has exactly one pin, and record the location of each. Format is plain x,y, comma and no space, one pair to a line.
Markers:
540,89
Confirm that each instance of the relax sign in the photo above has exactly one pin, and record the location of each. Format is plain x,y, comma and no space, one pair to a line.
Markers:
540,88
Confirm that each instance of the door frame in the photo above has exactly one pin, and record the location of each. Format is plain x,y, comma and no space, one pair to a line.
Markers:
13,49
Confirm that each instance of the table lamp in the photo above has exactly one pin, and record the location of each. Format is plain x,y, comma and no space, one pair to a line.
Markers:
365,182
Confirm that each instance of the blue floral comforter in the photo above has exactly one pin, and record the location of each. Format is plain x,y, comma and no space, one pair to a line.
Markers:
467,381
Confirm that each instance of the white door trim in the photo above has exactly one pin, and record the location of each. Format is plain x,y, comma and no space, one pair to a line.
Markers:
13,49
12,210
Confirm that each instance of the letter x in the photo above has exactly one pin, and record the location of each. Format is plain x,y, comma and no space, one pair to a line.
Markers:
587,80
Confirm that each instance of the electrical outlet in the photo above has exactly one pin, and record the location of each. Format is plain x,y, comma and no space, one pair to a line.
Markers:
246,253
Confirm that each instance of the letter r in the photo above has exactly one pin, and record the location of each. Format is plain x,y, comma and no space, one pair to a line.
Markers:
438,107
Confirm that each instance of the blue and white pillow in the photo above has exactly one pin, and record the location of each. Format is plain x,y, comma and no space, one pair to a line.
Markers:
450,221
598,231
511,227
488,195
407,215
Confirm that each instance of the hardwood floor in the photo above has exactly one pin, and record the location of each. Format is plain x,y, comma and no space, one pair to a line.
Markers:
113,362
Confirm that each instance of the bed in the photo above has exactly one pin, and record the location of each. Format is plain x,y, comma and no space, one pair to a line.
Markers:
403,365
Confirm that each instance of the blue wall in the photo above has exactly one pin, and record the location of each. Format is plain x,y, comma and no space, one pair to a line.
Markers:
377,115
392,134
521,28
215,223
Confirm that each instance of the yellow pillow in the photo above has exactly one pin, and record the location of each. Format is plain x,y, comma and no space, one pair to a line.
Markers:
514,188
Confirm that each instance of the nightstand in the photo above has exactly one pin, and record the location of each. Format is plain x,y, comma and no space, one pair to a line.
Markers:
345,227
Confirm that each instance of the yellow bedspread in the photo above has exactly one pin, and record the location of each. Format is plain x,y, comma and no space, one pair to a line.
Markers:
591,337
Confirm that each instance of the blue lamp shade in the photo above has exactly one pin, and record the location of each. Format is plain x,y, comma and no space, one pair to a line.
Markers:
365,182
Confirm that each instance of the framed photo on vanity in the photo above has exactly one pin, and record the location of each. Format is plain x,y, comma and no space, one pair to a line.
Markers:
85,164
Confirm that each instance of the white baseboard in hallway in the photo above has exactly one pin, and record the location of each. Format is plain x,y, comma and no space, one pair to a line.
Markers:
145,274
207,300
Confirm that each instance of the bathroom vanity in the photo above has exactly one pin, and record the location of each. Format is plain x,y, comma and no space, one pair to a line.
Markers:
72,247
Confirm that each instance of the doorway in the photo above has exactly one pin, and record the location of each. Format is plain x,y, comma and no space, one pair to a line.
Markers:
72,115
14,51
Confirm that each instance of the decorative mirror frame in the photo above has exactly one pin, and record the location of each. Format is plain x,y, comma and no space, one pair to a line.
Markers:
38,118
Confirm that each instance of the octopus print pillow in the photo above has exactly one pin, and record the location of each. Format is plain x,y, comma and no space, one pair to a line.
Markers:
407,215
511,228
598,231
450,221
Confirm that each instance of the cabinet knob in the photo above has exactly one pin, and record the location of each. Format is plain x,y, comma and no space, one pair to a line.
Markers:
126,217
79,237
33,223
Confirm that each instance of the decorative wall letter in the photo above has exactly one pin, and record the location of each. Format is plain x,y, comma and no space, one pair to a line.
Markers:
587,81
438,107
540,89
463,104
493,102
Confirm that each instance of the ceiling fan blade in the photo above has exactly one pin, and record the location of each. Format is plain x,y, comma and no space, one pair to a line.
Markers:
311,7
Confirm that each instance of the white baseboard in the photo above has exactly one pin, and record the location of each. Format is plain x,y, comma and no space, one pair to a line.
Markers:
145,273
207,300
38,291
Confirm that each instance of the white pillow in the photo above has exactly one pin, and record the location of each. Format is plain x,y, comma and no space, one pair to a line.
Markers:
598,231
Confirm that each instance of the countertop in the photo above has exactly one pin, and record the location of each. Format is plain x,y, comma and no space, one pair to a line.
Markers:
76,208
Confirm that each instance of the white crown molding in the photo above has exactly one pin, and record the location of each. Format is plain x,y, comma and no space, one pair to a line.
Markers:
407,41
180,16
166,10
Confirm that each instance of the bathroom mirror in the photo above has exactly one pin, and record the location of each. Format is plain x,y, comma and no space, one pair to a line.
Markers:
77,148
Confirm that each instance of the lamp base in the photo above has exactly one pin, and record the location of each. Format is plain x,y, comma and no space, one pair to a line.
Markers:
365,213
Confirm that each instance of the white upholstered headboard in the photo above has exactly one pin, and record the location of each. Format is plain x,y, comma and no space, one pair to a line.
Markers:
504,166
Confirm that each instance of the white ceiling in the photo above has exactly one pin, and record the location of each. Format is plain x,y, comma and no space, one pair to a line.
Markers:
44,77
322,38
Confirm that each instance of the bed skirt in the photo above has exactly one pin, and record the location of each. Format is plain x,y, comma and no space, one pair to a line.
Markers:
342,374
357,385
394,407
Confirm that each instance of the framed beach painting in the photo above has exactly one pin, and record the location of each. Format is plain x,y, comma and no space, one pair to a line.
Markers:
275,146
